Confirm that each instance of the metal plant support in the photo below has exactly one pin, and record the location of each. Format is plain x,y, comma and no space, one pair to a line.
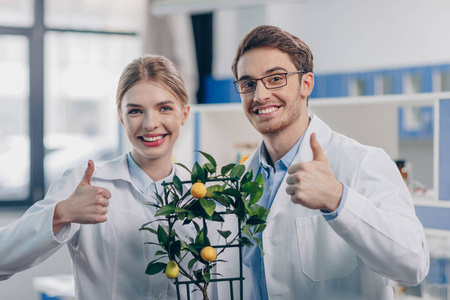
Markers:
238,245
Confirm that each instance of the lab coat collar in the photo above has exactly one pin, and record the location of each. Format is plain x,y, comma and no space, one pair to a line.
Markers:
114,169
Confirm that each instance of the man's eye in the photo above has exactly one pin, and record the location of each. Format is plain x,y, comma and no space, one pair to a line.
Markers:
248,84
275,78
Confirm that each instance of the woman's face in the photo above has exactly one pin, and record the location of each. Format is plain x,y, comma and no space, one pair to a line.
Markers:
152,118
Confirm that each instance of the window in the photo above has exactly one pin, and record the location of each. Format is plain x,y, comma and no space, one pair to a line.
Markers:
14,134
58,96
358,87
387,85
445,81
16,13
413,83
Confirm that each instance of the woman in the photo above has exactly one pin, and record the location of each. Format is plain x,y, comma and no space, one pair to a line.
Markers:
97,211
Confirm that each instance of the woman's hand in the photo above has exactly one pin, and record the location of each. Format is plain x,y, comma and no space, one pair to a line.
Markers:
87,205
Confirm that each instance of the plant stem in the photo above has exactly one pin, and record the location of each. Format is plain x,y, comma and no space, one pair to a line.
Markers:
205,292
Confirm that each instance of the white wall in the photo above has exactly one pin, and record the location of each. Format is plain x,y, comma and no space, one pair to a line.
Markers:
346,35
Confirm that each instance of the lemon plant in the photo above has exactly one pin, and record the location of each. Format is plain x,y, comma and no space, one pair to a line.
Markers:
203,200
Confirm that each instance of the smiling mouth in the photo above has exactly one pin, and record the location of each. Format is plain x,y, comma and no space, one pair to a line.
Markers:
153,138
266,110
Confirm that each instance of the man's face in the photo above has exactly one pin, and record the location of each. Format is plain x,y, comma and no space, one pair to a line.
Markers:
271,110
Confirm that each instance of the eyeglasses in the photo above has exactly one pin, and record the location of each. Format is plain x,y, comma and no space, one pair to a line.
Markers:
273,81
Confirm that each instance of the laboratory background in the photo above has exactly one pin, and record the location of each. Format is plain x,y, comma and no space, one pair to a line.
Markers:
382,77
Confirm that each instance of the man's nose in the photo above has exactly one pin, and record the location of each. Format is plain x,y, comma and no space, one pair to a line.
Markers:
261,93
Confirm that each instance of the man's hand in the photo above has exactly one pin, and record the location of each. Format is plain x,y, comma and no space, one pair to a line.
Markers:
312,184
87,205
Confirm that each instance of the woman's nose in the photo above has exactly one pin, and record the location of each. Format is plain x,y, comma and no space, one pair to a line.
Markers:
150,121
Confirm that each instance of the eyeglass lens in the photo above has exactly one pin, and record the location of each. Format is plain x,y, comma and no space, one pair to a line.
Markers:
271,82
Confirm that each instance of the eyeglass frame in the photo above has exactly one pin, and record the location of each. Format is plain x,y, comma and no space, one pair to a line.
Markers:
236,87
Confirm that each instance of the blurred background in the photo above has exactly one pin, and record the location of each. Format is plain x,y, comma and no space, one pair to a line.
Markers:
60,61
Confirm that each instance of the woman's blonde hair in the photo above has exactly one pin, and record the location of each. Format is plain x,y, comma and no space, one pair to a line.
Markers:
154,68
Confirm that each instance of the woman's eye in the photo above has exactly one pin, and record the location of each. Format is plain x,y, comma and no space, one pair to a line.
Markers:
166,108
134,111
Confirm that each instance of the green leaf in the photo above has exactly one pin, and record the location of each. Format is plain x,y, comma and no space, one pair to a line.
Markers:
177,184
260,228
261,212
197,227
192,262
175,249
148,229
255,191
247,177
240,209
180,210
258,242
215,188
255,220
158,198
245,241
250,187
208,205
159,252
201,239
222,199
143,227
260,180
209,168
165,210
255,196
217,217
237,171
207,276
226,169
155,268
209,157
193,250
197,174
162,235
225,234
183,166
191,215
232,192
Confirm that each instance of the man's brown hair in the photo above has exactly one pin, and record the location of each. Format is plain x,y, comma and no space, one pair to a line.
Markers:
274,37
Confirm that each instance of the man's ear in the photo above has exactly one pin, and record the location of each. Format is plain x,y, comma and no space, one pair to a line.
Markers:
307,84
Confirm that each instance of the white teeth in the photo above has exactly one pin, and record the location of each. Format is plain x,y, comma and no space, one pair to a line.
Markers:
152,139
267,110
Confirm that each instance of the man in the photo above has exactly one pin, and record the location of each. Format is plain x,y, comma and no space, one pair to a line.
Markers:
341,222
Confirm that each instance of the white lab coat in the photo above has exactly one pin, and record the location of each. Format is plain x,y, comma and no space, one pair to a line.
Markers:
109,259
375,237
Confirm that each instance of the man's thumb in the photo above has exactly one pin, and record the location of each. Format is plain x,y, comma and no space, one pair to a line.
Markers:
88,173
316,149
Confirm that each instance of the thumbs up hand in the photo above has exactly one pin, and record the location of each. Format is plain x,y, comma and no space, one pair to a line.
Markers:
312,184
87,205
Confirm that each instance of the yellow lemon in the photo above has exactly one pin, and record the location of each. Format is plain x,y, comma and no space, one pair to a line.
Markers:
198,190
208,253
172,270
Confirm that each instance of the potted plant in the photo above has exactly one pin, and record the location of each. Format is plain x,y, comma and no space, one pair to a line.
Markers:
204,200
